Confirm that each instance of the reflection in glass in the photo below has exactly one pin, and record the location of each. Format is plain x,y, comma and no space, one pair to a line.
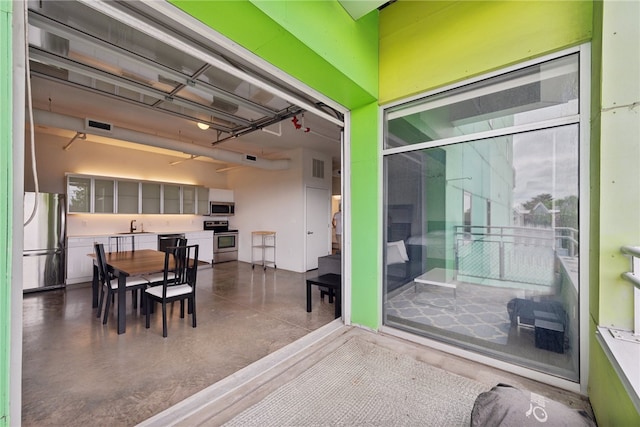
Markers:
540,92
509,290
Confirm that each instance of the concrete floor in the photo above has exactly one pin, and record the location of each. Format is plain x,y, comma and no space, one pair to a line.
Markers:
77,371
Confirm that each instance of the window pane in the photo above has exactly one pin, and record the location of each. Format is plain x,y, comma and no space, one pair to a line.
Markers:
509,290
544,91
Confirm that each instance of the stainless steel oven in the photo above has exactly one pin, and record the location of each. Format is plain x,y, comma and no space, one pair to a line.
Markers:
225,241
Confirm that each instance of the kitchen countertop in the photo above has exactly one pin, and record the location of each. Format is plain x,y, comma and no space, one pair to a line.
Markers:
137,233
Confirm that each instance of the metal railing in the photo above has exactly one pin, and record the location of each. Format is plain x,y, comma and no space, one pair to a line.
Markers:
633,276
517,254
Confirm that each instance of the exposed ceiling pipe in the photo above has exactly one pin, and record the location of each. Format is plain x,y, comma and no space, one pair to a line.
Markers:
80,135
60,121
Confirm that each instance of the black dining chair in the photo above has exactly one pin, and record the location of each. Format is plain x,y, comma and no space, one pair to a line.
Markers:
157,279
179,284
109,283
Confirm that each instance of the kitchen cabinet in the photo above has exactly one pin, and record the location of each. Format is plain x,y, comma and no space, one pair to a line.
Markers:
79,264
220,195
171,199
188,199
79,194
103,195
202,203
128,195
93,194
204,240
146,241
150,198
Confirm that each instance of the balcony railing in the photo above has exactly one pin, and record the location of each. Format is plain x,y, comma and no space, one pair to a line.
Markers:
514,254
633,276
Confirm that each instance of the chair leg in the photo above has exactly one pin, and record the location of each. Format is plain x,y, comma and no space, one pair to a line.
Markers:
106,308
147,309
100,302
182,309
192,303
134,298
164,319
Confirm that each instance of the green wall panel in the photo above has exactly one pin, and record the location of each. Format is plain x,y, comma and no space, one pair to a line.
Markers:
6,186
424,45
609,400
365,224
302,39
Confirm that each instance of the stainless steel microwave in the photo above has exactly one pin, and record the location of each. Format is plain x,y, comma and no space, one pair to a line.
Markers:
222,209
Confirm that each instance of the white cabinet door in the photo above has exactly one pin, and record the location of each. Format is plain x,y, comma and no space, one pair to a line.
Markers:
79,263
147,241
204,240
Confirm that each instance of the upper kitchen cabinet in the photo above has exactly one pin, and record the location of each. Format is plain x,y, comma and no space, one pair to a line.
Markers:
202,204
93,194
188,199
103,195
151,198
79,194
128,197
171,199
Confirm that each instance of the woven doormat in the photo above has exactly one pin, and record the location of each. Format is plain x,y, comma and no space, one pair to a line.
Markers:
363,384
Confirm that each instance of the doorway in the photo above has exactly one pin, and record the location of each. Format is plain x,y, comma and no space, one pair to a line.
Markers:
318,240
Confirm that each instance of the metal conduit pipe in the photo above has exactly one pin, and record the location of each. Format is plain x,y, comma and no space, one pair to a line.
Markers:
75,124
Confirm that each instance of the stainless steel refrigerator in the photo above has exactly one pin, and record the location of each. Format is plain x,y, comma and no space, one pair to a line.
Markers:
44,242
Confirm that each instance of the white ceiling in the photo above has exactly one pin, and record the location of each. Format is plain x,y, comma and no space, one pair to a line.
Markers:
68,91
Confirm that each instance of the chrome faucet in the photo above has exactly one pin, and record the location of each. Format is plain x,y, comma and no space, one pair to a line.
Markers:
132,226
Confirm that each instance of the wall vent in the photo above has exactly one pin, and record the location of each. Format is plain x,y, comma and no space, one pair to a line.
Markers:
318,169
95,125
250,158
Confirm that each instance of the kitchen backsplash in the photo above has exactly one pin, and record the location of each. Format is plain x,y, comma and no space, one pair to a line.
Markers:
97,224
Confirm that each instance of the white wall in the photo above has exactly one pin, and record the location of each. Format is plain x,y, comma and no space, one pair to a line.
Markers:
275,201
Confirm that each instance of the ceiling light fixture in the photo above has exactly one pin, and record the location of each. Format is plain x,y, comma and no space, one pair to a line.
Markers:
203,126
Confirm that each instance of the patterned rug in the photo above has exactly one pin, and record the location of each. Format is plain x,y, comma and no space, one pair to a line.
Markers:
476,311
364,384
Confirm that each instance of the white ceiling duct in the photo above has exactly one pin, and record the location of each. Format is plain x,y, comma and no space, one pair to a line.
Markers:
60,121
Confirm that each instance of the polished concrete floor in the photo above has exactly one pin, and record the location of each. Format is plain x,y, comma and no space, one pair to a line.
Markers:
77,371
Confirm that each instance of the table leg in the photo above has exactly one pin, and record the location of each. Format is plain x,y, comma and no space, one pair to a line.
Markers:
122,303
95,287
338,299
308,297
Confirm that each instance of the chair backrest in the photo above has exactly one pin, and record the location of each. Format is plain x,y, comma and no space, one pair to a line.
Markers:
103,272
180,266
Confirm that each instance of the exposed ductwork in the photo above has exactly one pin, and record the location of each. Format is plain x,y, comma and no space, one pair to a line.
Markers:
60,121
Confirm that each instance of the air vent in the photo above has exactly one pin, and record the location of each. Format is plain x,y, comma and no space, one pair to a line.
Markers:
250,158
95,125
318,169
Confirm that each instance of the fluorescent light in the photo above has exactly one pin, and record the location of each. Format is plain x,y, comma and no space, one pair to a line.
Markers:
203,126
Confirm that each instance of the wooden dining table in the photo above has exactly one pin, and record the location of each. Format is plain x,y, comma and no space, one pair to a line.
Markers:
123,265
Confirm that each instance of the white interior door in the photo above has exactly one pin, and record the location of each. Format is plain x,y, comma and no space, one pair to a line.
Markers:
318,212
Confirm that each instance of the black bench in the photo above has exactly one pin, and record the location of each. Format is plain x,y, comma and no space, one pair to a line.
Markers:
331,281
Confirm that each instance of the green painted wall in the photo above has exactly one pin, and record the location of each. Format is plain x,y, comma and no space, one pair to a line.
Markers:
609,399
6,187
424,45
366,227
314,41
319,44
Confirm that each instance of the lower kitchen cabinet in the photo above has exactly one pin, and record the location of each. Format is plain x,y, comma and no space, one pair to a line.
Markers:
79,263
205,241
